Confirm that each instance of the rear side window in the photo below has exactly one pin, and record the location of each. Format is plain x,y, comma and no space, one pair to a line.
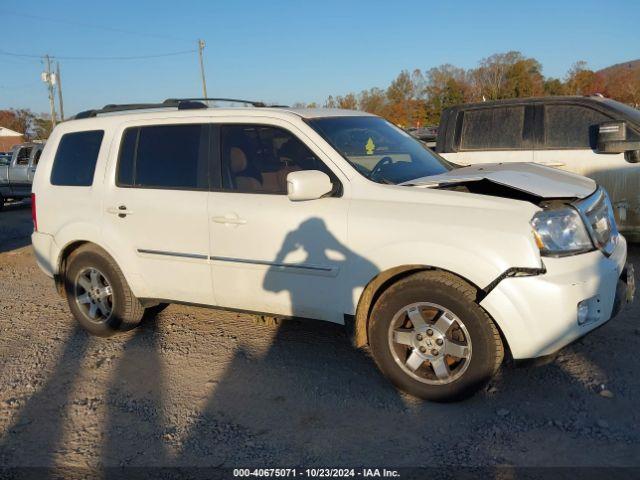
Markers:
493,129
571,126
23,156
75,160
165,157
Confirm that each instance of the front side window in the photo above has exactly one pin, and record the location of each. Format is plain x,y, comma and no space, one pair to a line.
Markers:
493,129
571,126
378,150
164,157
75,160
257,159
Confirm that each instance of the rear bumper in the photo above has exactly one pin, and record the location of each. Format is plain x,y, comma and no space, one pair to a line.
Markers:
43,246
538,315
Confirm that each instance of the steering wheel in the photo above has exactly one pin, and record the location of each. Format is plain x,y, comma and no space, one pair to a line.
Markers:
377,169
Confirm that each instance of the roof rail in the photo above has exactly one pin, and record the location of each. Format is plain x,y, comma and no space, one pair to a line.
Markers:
179,103
202,100
123,108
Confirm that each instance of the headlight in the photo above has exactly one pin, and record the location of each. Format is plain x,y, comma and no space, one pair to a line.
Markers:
560,232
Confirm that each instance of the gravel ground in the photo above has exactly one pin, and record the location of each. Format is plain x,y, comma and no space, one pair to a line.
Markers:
201,387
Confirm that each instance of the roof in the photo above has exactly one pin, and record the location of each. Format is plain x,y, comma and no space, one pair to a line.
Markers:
6,132
529,100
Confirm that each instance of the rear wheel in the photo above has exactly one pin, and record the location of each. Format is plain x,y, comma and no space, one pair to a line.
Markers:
98,294
431,339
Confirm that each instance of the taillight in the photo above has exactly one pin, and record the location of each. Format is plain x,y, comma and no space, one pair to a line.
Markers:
34,217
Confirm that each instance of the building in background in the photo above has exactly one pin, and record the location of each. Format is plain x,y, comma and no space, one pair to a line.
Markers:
9,138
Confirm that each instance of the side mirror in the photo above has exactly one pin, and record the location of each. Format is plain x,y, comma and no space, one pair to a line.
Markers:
616,137
308,185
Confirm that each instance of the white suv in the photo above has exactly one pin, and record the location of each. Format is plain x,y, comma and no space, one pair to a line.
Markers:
326,214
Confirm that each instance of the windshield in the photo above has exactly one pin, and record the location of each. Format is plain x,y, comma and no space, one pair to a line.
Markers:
632,113
378,150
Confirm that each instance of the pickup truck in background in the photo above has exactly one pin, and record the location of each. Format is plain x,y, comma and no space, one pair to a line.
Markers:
16,171
592,136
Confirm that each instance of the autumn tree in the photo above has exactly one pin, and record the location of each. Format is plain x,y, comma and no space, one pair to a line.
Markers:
445,86
417,98
624,85
583,81
19,120
405,107
373,101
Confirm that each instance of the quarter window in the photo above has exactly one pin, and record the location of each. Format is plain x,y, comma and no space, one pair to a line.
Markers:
165,156
75,160
257,159
493,128
571,126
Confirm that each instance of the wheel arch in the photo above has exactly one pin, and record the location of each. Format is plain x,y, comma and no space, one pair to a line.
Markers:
384,280
72,245
377,286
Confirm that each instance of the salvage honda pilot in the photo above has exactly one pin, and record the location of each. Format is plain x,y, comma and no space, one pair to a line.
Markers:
326,214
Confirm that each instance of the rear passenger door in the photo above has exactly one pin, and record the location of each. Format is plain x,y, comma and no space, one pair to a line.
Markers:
493,135
155,207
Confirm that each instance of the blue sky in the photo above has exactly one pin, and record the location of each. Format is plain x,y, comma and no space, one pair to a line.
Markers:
286,51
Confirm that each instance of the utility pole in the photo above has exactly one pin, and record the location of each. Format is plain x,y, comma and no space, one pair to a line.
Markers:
59,80
204,82
49,79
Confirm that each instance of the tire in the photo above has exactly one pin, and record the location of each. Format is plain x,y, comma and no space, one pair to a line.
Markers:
431,339
116,310
1,202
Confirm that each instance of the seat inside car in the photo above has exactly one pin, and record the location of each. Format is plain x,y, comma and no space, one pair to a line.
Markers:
239,171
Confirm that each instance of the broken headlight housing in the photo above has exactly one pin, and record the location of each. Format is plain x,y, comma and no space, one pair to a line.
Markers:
561,232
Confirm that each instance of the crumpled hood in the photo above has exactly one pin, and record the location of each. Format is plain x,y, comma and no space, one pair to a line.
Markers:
539,180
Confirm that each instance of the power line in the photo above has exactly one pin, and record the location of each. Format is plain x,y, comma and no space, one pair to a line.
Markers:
90,25
132,57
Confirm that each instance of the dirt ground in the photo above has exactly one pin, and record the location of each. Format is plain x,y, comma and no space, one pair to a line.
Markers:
201,387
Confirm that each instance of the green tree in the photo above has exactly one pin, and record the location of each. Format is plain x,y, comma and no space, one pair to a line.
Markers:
446,85
554,86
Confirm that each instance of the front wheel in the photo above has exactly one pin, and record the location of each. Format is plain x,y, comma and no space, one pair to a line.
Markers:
431,339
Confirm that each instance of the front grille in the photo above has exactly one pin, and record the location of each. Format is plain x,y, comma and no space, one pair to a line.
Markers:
597,213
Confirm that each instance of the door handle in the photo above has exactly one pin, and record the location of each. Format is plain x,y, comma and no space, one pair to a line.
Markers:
121,211
229,219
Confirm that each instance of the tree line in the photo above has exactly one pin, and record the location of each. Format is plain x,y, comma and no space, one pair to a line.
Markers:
417,98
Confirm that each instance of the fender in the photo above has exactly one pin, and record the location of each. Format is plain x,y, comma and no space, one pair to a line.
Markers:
86,232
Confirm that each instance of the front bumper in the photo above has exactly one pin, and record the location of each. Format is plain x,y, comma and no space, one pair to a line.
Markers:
538,315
